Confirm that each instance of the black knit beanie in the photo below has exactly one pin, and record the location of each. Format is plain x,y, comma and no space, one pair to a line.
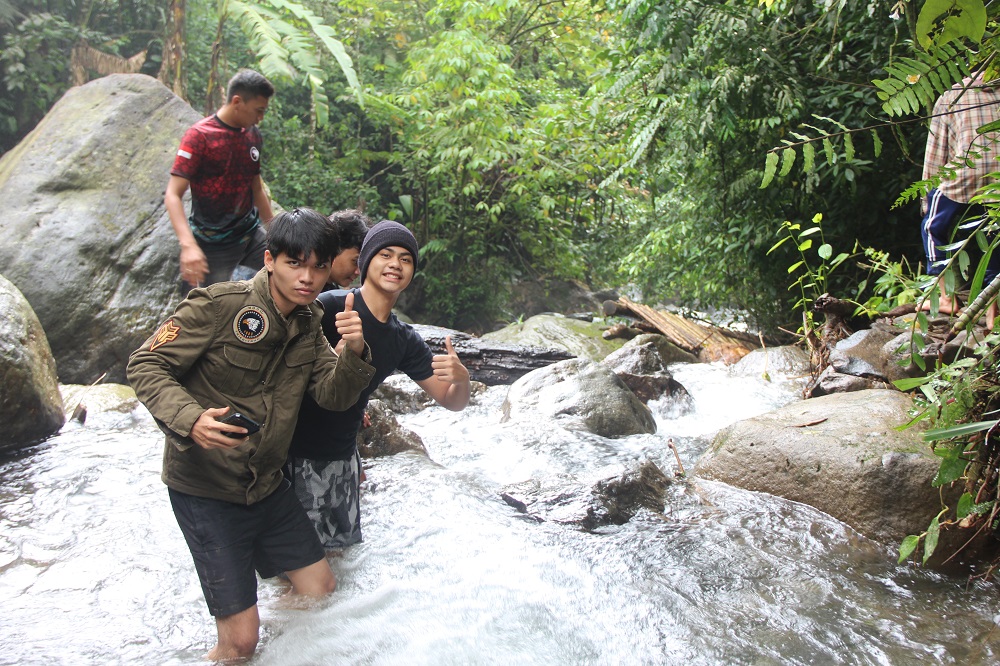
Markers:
385,234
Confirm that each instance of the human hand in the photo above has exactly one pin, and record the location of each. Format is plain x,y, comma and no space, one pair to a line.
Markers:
447,367
349,327
194,265
207,431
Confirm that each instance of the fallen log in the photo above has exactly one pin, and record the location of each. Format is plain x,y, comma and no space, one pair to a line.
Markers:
489,362
708,343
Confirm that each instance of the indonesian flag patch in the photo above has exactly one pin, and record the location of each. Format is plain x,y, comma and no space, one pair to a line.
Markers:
167,332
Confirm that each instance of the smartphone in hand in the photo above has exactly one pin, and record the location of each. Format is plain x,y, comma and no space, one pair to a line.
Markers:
237,419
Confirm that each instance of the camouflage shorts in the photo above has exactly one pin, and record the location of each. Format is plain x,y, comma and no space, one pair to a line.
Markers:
330,492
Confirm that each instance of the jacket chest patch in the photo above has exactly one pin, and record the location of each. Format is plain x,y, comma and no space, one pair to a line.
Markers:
251,324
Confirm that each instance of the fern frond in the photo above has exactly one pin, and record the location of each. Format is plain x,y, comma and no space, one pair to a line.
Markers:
915,83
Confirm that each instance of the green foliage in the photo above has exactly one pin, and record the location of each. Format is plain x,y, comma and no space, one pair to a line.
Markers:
703,91
914,83
814,265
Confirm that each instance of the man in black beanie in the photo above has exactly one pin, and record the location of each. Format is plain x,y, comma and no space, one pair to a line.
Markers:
323,461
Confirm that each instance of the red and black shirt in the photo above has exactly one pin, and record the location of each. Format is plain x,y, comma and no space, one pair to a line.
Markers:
220,162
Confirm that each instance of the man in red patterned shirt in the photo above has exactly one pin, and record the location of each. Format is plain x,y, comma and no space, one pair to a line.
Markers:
219,159
964,159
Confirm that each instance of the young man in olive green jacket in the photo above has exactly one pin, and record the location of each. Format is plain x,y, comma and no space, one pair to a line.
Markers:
253,348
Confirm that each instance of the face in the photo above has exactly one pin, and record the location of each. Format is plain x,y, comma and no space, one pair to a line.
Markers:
391,269
344,268
295,281
249,112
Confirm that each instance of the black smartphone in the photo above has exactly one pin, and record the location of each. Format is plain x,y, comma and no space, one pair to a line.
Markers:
237,419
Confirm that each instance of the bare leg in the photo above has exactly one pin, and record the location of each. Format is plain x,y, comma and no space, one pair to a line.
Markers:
991,315
315,580
946,304
238,634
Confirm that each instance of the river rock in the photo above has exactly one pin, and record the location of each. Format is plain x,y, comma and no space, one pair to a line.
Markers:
898,350
789,360
644,371
402,395
611,501
578,338
843,455
30,406
98,399
668,351
579,395
86,236
385,436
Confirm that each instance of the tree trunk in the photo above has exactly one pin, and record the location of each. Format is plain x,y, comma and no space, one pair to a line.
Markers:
172,68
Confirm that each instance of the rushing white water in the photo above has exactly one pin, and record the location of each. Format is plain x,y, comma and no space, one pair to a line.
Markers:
93,569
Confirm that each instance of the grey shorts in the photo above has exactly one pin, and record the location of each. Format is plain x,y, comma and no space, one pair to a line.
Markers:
330,491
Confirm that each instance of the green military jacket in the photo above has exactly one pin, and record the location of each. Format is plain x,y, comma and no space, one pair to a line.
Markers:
227,345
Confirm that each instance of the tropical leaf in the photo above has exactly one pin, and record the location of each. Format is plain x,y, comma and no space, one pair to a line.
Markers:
915,83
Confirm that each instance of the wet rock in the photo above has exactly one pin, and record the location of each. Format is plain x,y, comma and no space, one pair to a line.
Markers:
643,370
789,361
579,395
843,455
899,349
862,354
669,352
577,338
615,501
98,399
30,406
385,436
830,381
610,501
83,198
402,395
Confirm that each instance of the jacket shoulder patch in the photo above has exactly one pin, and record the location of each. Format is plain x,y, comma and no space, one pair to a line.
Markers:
168,332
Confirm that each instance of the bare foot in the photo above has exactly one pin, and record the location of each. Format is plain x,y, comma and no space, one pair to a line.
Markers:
945,306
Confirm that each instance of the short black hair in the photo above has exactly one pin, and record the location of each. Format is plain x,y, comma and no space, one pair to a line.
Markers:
249,84
351,226
300,232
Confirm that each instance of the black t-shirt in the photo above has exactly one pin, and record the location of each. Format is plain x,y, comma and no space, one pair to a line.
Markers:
325,435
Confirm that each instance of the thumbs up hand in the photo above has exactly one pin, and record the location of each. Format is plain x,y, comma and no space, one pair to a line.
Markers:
349,327
447,367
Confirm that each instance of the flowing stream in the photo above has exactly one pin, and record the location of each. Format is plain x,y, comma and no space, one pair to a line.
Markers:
93,569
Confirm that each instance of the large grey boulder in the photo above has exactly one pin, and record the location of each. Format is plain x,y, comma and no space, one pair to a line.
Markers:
843,455
579,395
579,338
644,371
30,405
788,360
86,236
